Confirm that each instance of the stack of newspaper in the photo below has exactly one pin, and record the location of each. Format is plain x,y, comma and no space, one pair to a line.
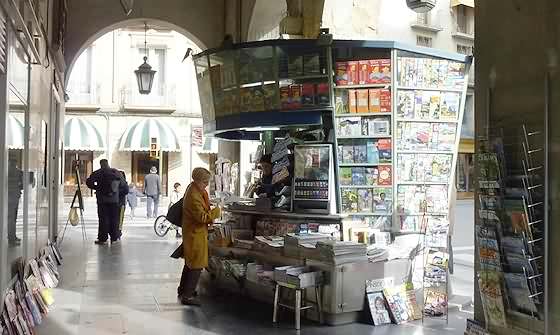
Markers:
302,245
269,244
338,252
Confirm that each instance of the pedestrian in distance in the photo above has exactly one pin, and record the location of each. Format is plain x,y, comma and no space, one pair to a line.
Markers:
198,216
15,186
152,190
132,198
175,196
109,186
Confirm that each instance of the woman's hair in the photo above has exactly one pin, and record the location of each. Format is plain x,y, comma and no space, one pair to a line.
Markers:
200,174
176,185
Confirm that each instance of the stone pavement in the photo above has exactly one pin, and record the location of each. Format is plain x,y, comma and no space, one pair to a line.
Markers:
130,288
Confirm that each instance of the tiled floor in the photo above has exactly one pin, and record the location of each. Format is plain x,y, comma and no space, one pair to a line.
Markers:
130,288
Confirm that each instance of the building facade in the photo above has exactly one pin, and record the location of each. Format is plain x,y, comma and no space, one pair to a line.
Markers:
119,123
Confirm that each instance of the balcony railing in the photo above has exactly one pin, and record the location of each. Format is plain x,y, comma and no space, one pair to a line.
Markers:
157,98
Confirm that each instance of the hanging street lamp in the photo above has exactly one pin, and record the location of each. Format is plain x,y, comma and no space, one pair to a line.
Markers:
145,74
421,6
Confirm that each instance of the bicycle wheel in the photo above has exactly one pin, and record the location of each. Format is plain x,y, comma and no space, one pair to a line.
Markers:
161,226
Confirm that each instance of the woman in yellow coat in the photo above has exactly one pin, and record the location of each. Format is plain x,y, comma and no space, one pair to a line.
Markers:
197,217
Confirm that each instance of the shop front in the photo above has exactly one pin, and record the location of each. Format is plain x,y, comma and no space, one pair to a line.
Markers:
82,142
149,143
350,183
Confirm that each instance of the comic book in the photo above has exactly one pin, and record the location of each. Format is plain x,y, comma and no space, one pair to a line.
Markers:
490,287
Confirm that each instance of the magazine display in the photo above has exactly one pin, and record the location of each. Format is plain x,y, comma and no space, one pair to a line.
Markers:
425,136
430,73
424,167
428,105
378,308
419,199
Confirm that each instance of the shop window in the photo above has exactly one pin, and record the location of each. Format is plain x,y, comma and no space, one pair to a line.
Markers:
141,165
83,161
424,41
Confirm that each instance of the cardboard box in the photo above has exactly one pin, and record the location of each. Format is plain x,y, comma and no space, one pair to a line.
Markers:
385,100
341,73
352,103
362,101
363,72
352,71
374,100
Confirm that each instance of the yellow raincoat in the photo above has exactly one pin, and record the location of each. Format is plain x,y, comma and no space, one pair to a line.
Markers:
197,215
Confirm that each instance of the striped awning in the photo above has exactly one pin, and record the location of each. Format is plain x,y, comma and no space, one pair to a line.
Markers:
82,135
138,136
15,133
468,3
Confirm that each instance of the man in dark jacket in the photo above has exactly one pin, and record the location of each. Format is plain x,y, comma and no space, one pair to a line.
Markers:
109,186
15,186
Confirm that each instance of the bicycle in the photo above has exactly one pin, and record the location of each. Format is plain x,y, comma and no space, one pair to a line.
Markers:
162,226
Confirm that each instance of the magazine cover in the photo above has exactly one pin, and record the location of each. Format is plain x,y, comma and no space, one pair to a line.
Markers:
385,176
423,99
372,152
415,136
385,150
358,176
345,176
489,283
365,201
349,200
424,167
360,153
372,174
349,126
414,312
446,135
341,102
397,304
348,154
435,302
378,308
341,73
374,100
379,126
385,100
450,104
382,200
435,102
405,107
519,293
516,221
489,170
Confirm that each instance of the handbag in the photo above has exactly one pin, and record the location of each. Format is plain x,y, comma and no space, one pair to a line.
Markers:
73,216
175,213
178,253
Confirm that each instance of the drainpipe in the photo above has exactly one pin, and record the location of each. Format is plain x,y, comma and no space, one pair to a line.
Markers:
108,147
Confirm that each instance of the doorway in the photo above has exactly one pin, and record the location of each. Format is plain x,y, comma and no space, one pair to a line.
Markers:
141,164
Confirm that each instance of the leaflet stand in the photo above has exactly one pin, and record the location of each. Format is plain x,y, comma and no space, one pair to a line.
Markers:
79,205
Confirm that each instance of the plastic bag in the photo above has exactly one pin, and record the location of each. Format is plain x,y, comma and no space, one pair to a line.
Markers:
73,216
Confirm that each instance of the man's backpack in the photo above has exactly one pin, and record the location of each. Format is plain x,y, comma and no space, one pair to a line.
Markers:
110,188
175,213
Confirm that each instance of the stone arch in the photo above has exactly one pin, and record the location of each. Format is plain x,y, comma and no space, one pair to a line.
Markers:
200,21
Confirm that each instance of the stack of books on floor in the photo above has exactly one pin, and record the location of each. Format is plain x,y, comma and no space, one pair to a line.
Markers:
338,252
302,245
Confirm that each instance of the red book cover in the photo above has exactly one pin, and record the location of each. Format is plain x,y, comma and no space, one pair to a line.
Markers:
385,177
385,100
363,72
352,103
295,95
323,93
374,72
352,71
285,97
385,70
341,73
308,94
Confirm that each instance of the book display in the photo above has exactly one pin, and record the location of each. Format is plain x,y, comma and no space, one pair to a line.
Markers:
377,128
510,234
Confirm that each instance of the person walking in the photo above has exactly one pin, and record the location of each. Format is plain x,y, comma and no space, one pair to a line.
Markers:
152,189
109,186
15,186
174,197
197,217
132,198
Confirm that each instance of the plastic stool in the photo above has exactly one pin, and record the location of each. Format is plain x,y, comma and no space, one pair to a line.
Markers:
298,307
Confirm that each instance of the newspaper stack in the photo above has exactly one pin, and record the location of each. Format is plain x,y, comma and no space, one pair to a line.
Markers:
269,244
298,245
377,254
337,252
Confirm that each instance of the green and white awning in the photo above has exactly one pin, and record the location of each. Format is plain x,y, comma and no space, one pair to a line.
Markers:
82,135
138,136
15,133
